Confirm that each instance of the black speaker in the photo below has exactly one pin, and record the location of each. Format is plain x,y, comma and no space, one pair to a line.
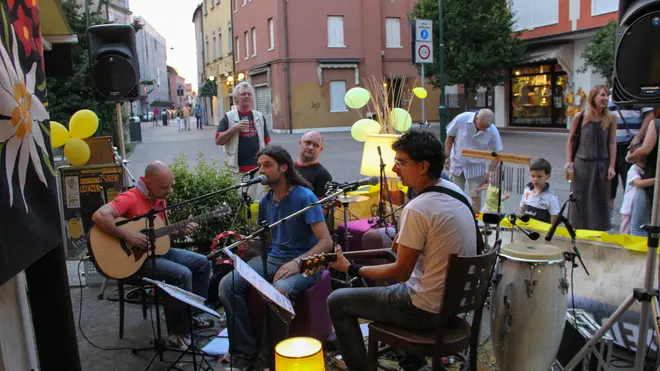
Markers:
114,62
636,79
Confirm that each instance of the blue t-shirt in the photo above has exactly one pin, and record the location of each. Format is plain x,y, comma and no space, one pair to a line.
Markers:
295,235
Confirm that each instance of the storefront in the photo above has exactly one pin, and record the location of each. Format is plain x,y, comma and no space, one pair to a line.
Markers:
537,95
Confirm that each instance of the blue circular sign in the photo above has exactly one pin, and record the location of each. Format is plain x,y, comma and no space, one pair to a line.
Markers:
424,34
655,21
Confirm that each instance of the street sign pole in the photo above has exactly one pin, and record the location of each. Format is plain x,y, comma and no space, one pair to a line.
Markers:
422,50
423,108
442,108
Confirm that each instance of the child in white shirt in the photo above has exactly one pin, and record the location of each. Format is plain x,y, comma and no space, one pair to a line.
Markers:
634,182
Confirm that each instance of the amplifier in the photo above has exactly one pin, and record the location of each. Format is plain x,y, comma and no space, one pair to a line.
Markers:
576,337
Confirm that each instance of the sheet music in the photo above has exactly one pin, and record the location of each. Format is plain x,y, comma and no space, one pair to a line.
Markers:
268,291
184,296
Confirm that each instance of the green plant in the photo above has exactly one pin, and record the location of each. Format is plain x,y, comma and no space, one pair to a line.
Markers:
203,178
599,52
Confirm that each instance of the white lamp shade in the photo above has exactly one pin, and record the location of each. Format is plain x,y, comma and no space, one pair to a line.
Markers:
371,160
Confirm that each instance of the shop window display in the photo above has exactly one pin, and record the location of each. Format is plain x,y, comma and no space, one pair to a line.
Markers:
537,96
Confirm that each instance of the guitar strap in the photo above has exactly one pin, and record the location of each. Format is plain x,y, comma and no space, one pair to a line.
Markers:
463,199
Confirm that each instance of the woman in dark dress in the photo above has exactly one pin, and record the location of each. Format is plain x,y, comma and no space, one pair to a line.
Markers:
593,164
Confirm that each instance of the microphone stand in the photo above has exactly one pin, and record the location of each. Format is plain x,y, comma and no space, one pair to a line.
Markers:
570,256
381,207
265,228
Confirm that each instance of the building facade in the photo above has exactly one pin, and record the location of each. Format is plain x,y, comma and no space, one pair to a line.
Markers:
218,57
303,55
152,56
175,82
557,32
200,98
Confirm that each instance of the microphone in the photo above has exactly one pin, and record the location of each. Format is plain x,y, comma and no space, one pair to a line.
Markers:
574,196
252,172
351,186
260,179
522,217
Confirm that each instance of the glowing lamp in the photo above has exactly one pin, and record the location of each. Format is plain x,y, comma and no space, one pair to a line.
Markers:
241,76
211,78
371,160
230,78
299,354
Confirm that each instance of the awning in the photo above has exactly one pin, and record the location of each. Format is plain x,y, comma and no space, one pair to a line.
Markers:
55,27
563,54
208,89
161,103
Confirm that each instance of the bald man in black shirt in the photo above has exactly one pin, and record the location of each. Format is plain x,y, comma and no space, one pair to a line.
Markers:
307,164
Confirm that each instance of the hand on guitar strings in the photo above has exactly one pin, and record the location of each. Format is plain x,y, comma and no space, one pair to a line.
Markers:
287,270
341,264
138,240
189,228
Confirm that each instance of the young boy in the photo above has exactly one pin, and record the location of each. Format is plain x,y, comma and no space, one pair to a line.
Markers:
634,182
538,201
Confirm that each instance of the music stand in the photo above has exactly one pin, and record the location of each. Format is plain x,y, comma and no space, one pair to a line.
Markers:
191,300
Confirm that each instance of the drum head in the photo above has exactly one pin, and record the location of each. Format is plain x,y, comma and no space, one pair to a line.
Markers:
532,251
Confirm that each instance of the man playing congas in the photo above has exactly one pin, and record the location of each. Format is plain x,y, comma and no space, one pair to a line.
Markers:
434,225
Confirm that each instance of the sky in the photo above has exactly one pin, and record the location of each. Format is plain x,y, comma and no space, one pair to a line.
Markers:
173,20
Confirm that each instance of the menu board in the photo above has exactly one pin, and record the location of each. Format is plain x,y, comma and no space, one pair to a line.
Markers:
83,190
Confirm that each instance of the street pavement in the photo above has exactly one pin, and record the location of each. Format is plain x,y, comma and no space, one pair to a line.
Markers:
342,154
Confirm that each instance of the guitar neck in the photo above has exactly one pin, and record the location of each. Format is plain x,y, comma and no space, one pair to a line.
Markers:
170,228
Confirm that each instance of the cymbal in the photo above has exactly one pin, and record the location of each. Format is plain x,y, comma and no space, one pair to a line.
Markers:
351,198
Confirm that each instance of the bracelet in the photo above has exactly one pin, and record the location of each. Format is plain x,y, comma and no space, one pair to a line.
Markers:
354,270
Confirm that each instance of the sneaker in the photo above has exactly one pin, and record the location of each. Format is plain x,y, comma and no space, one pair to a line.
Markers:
178,342
201,323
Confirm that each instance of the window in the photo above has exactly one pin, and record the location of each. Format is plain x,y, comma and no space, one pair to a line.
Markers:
599,7
220,42
271,34
215,50
337,93
238,51
247,44
235,5
207,51
206,6
393,32
212,2
230,37
336,32
254,42
245,2
217,1
531,14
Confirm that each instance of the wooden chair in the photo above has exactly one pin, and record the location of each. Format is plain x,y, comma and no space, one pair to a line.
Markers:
466,285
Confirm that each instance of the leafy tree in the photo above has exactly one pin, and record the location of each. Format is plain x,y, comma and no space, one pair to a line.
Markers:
480,44
599,52
68,94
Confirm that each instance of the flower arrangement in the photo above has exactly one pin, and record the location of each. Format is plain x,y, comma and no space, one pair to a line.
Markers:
387,117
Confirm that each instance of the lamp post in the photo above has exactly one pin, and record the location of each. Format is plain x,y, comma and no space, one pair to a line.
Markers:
441,60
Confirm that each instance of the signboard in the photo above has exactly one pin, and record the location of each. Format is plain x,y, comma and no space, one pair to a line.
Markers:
422,41
82,191
423,52
423,30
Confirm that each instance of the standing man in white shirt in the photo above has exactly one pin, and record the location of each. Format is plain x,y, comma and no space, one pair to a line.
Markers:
470,130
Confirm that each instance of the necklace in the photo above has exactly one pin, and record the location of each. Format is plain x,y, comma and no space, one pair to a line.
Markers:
276,201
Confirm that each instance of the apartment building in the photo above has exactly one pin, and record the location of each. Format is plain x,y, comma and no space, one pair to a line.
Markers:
152,56
303,55
557,32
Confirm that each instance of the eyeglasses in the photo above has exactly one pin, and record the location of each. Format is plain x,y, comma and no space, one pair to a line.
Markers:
401,163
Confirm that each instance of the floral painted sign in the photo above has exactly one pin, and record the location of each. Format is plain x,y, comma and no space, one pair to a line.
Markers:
29,216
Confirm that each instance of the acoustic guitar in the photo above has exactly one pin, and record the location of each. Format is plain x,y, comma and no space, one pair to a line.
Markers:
117,259
312,264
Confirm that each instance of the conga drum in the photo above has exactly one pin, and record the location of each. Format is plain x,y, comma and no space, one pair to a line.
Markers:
528,306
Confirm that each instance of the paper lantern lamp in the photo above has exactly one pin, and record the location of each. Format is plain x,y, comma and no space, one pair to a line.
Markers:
299,354
371,160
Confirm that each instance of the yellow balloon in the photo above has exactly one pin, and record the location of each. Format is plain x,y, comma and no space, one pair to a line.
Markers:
357,97
83,124
400,119
420,92
76,152
58,134
361,128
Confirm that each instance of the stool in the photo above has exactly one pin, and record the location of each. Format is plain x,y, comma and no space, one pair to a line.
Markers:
356,229
312,317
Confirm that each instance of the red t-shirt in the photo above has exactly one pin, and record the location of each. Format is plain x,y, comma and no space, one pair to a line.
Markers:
132,203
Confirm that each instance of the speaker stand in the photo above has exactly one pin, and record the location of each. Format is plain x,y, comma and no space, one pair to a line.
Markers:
122,148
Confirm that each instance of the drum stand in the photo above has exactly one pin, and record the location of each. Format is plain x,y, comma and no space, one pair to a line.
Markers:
646,296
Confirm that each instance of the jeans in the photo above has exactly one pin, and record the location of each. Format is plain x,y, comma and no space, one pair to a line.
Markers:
390,305
233,295
199,122
641,213
184,269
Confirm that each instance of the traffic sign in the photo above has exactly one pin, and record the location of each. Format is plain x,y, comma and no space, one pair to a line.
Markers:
423,52
423,30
